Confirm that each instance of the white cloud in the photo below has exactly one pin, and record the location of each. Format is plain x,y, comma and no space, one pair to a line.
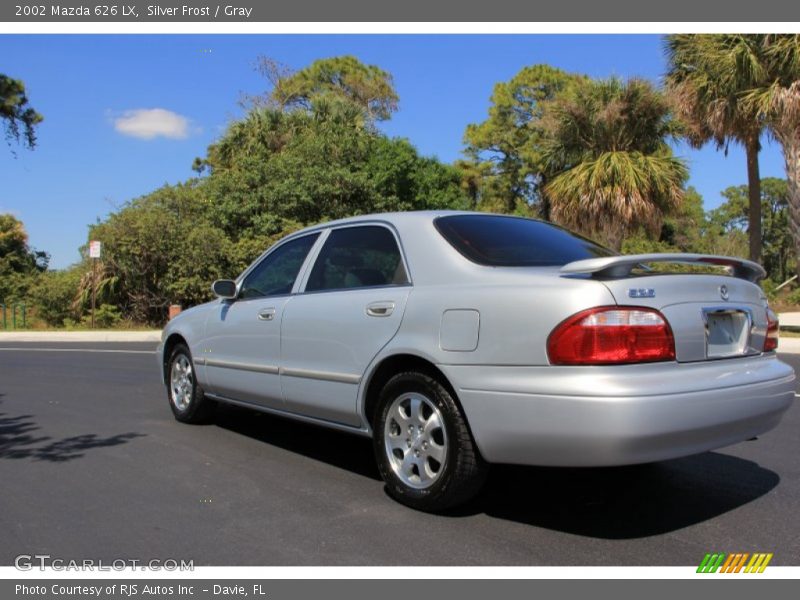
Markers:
150,123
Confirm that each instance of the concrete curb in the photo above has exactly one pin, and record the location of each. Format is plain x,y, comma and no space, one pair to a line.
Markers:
789,320
789,346
80,336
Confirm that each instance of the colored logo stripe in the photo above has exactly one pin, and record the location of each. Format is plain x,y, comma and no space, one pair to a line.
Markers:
726,568
711,562
734,563
758,563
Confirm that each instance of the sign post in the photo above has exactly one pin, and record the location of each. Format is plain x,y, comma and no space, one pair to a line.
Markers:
95,248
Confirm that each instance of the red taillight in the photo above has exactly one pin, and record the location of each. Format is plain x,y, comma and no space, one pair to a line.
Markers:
611,335
771,341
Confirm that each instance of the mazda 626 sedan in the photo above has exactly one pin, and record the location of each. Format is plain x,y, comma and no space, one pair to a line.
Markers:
456,340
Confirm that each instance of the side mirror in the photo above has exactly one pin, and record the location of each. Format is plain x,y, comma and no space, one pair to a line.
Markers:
224,288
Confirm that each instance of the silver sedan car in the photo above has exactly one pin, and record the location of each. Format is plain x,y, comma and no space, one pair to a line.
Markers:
456,339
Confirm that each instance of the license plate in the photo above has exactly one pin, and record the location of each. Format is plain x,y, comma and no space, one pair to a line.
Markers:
727,333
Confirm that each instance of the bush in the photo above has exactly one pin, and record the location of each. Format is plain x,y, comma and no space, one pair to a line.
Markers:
793,297
769,289
52,295
640,244
105,316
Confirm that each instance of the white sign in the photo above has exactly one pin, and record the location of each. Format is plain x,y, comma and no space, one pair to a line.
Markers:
94,249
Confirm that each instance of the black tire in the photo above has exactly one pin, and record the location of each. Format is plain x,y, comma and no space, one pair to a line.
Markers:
463,471
198,409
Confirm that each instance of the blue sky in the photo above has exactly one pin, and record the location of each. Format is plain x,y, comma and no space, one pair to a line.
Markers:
94,152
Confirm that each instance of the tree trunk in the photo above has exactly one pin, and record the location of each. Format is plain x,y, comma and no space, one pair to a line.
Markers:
615,234
791,154
544,200
754,196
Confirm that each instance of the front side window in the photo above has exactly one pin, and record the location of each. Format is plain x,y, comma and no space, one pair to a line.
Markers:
275,275
358,257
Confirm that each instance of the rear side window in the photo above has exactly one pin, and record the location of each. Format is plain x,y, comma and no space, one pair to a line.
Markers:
358,257
275,275
500,241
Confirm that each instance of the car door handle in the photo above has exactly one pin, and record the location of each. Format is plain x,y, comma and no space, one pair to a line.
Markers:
266,314
380,309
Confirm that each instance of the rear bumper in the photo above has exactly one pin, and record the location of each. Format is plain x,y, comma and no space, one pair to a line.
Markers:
602,416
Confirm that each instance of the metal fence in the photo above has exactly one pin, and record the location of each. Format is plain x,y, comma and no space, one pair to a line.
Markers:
18,313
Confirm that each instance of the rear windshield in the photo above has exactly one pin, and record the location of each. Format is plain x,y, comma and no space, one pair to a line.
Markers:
501,241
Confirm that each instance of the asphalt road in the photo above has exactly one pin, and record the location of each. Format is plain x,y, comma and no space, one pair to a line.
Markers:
92,465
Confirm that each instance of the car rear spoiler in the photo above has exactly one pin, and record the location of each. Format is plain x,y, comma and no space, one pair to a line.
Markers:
617,267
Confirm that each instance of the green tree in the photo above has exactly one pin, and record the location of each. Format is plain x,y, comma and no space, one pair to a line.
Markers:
274,170
53,295
708,77
270,173
404,180
473,174
686,227
690,228
301,166
615,171
778,246
367,86
19,263
157,250
774,96
505,150
19,118
307,154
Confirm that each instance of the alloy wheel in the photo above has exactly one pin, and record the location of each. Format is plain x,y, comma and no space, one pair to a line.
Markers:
415,440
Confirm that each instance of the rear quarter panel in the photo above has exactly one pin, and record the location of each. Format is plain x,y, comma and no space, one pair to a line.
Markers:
516,315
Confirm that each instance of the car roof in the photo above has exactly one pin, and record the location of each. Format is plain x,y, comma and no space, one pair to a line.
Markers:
400,219
430,259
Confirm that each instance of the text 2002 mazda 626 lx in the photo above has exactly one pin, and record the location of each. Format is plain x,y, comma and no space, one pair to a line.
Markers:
456,340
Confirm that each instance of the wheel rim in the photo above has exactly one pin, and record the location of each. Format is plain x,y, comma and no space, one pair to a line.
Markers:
415,440
181,382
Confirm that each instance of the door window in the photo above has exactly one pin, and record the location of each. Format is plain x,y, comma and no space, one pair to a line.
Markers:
358,257
275,275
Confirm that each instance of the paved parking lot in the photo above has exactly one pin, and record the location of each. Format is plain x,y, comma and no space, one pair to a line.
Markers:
92,464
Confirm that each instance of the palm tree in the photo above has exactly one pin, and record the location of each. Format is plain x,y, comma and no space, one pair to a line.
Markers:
614,170
776,101
707,78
